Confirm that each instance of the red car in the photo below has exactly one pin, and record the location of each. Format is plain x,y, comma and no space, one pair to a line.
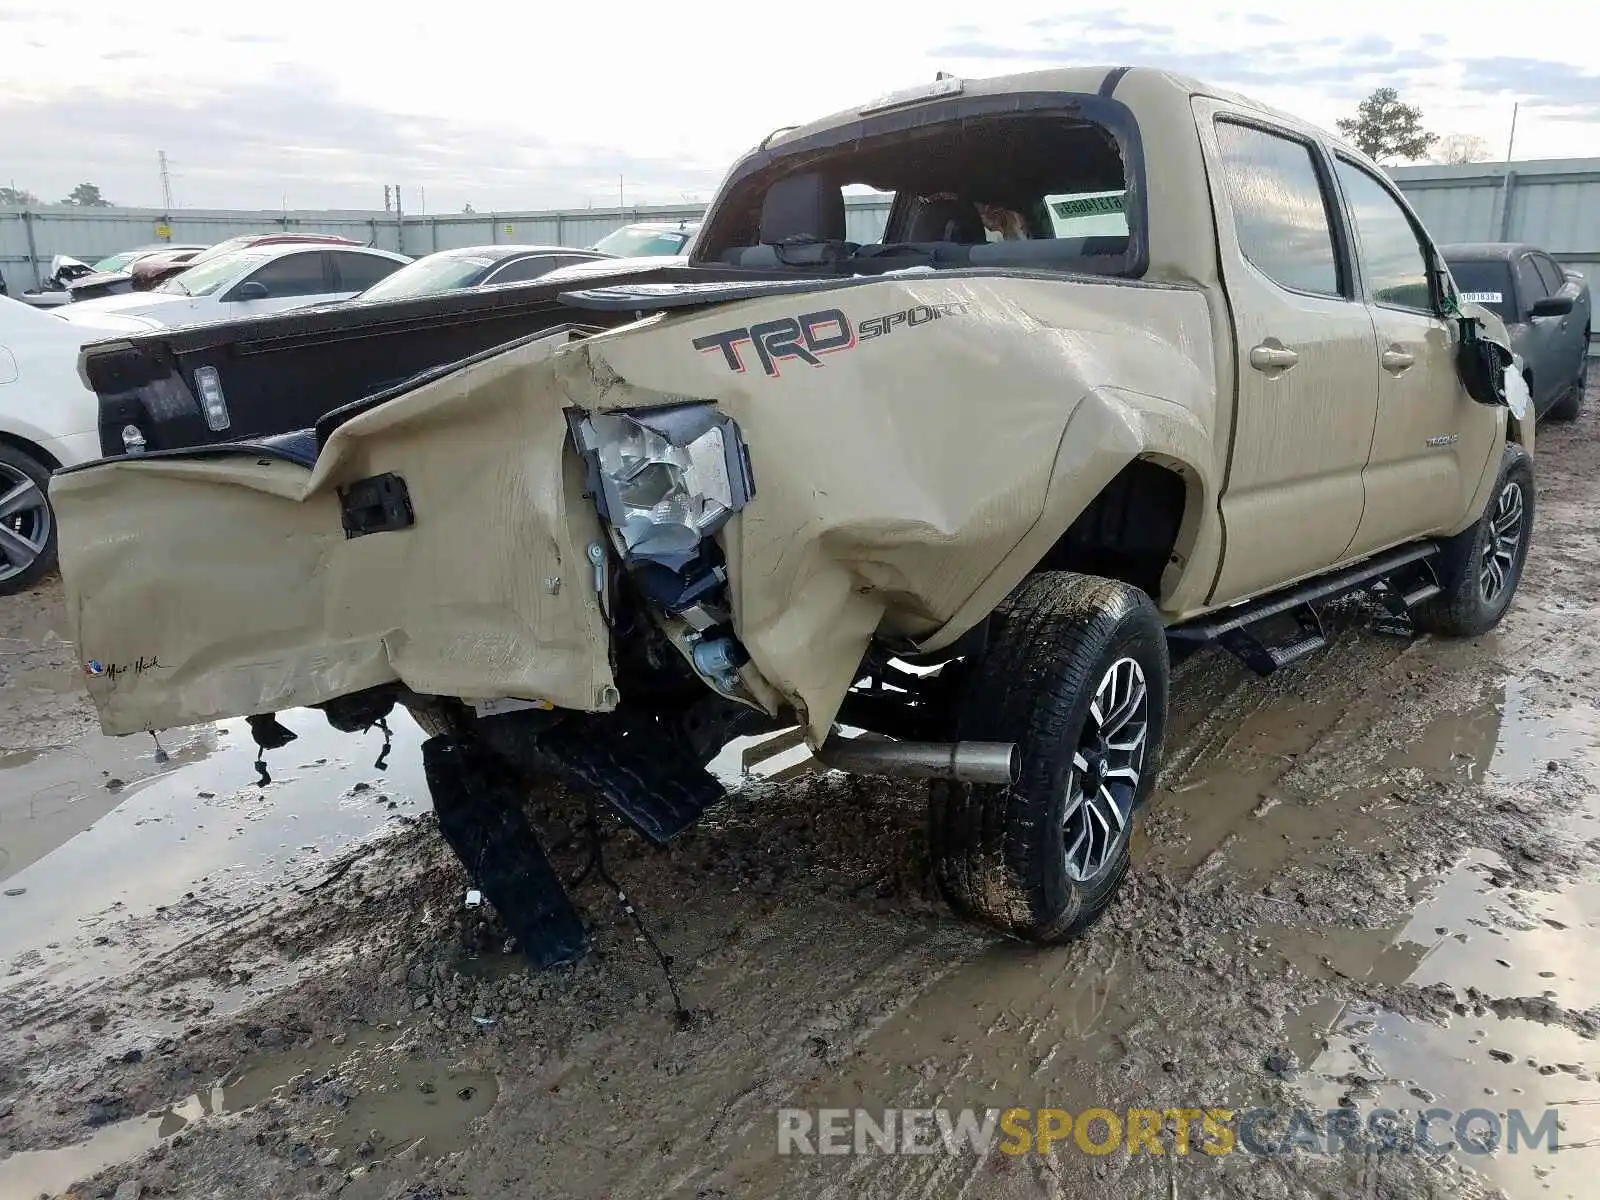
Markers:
151,270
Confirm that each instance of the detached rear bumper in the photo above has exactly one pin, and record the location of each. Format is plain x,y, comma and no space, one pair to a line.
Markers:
223,582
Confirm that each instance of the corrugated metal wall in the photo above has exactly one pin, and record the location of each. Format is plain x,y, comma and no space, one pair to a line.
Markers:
1553,203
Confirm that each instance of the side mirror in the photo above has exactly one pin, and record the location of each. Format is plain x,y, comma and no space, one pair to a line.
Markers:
250,291
1558,305
1482,365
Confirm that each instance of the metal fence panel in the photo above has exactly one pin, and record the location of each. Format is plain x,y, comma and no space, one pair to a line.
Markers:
1552,203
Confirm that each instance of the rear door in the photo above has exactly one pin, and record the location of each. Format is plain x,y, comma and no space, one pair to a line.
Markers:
1541,346
1571,339
1307,386
1432,440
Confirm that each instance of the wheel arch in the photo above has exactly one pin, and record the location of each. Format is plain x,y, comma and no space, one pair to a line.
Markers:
32,449
1129,464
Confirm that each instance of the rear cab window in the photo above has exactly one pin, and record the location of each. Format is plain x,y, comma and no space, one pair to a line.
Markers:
1047,181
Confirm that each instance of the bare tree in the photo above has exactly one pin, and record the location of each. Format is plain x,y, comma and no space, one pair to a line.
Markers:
1460,148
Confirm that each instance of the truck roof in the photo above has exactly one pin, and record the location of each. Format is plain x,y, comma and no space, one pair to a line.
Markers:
1104,80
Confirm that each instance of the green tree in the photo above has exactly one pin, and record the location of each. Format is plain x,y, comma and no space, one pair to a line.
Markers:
18,197
1384,128
86,195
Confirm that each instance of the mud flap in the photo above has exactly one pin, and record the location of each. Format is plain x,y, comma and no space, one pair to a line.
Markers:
479,801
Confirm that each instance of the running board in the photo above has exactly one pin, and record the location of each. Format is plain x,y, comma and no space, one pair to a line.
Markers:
1407,577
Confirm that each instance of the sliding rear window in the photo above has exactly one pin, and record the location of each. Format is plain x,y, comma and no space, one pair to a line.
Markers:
1046,181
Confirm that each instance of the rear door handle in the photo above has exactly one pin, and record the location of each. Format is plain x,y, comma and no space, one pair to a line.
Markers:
1272,357
1396,361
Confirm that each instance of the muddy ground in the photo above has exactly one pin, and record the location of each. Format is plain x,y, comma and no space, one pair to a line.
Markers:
1372,881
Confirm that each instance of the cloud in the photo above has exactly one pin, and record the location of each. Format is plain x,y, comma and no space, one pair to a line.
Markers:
1344,67
1336,67
289,135
1537,83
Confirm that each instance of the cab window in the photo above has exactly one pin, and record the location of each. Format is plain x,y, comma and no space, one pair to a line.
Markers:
1280,212
1392,257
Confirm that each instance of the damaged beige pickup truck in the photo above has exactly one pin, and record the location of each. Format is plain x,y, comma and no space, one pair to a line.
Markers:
1135,366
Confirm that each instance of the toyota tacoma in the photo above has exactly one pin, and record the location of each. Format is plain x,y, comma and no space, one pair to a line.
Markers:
1135,366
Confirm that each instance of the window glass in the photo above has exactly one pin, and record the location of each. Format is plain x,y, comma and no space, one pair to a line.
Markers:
1554,277
1391,254
636,241
1487,282
1529,283
291,275
524,269
1279,211
360,271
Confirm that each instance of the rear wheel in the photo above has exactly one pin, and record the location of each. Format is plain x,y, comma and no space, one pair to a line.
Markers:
1076,673
1481,566
27,525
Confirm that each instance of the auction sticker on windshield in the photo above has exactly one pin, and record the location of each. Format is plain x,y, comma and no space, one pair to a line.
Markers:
1481,297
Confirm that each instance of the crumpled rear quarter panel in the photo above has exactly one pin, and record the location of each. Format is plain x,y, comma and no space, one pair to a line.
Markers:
897,477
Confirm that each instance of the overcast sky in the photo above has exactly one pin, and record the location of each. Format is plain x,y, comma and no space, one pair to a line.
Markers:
517,106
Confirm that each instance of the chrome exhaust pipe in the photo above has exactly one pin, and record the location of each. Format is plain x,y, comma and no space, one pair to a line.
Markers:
971,762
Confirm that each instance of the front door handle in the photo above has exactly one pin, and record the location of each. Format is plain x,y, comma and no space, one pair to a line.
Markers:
1272,357
1395,361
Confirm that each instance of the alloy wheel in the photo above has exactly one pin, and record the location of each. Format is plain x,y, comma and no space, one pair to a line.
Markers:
24,521
1505,536
1106,768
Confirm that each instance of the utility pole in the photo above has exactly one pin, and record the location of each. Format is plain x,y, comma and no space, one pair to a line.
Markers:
166,181
1512,140
399,222
621,203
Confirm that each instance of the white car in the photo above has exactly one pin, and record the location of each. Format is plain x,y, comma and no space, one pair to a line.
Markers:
247,283
48,419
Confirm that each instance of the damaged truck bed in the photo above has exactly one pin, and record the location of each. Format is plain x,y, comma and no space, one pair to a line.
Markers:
967,489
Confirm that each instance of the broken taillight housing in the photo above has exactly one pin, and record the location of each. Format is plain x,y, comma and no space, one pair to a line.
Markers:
666,478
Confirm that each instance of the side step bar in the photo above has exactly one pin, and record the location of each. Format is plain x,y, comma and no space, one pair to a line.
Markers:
1408,580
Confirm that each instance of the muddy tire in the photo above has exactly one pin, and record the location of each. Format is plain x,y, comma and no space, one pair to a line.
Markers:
28,528
1481,566
1076,674
1571,405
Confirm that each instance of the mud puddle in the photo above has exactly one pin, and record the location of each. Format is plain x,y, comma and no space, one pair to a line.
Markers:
1506,987
189,841
48,795
377,1096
